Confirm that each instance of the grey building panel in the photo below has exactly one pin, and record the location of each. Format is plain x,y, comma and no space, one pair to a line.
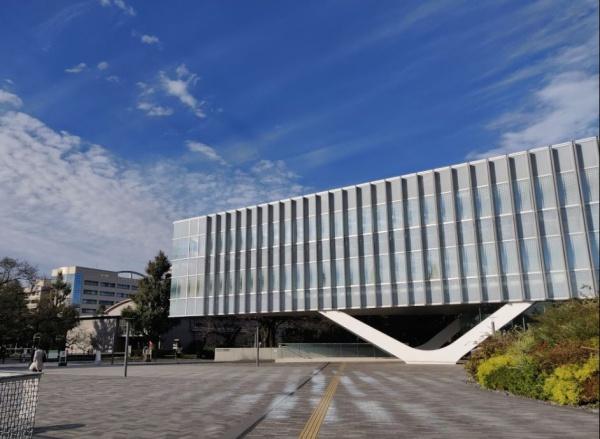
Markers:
510,228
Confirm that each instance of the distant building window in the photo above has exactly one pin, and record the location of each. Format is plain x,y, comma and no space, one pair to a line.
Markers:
90,292
134,287
88,310
89,301
107,284
107,293
122,295
90,282
105,302
123,286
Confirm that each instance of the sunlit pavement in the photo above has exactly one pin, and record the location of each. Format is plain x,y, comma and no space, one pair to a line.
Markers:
226,400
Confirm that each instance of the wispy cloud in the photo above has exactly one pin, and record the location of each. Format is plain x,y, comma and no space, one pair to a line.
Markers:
564,109
82,193
206,151
102,65
180,86
119,4
149,39
11,99
154,110
566,58
562,103
147,104
113,78
403,20
77,69
47,32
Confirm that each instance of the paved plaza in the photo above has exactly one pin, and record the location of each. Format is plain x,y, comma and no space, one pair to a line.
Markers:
375,400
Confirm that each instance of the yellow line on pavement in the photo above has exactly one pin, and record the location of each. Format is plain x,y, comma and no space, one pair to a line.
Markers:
313,425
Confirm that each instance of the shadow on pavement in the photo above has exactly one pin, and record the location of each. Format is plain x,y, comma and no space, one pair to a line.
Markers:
60,427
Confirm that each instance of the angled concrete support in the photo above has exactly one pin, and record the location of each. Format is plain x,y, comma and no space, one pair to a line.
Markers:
447,355
444,336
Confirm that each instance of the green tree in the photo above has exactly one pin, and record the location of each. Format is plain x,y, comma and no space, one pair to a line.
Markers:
55,316
15,277
13,314
150,316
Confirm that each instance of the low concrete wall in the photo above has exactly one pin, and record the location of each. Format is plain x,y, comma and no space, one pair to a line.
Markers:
244,354
340,360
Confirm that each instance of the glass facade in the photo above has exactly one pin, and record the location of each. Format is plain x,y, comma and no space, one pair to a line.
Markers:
521,227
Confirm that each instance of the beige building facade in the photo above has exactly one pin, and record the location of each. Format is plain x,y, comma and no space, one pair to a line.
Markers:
35,293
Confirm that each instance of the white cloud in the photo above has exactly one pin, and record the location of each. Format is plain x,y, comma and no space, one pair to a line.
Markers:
77,69
71,202
149,39
562,106
113,78
565,108
120,4
145,89
205,150
9,98
179,88
154,110
102,65
146,102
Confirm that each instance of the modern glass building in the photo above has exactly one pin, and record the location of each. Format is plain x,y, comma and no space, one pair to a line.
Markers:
522,227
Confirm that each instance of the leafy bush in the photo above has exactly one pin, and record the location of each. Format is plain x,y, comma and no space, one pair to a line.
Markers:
562,386
591,390
568,352
489,366
566,384
518,375
555,359
570,321
494,345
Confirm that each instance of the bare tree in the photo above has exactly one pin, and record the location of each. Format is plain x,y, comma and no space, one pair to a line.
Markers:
14,270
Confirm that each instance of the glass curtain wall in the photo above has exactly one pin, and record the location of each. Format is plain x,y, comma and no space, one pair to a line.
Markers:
510,228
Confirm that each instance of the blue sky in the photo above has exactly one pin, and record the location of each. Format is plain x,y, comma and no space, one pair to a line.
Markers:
119,116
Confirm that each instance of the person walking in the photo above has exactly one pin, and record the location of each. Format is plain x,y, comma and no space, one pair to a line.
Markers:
37,364
150,349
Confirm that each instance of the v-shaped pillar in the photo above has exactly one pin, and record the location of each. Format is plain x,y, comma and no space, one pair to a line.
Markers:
447,355
445,335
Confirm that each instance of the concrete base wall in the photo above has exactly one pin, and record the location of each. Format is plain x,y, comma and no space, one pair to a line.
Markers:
244,354
339,360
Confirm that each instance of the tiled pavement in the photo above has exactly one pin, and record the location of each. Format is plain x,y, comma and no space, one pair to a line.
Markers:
375,400
157,401
409,401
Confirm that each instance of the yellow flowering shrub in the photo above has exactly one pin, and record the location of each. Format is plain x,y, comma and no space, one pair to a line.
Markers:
490,366
565,384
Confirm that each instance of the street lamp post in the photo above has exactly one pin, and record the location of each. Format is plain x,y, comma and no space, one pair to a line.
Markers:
126,347
257,343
